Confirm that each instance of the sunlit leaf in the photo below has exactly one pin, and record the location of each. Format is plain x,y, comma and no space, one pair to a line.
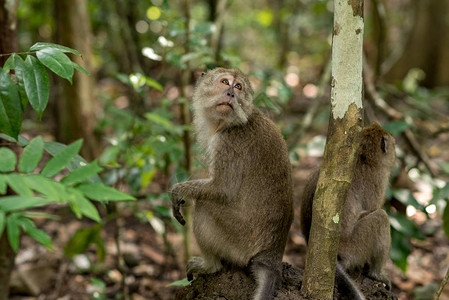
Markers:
31,155
40,46
60,160
10,106
154,84
37,85
56,61
8,160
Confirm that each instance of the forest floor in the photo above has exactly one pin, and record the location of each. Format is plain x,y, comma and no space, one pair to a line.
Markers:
146,267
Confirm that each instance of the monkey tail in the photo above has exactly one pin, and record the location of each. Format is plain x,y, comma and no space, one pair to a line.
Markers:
267,273
346,285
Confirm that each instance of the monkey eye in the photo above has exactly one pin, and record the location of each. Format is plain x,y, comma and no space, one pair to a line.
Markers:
238,86
225,81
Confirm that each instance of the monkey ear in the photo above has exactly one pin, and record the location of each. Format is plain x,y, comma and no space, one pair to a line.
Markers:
383,144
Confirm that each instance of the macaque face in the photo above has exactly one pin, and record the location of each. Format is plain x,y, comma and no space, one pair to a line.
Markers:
224,95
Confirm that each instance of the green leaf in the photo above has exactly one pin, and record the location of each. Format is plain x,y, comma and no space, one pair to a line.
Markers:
22,141
40,46
82,174
56,61
17,183
51,189
60,160
153,83
79,68
19,68
10,106
2,222
9,64
11,203
37,234
80,204
13,230
396,127
100,192
82,239
31,155
8,160
36,82
3,185
182,282
446,220
54,148
164,123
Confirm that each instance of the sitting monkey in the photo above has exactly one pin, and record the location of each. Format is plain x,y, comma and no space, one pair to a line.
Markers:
365,229
243,212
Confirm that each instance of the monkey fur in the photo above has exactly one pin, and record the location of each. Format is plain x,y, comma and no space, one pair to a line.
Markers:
242,213
365,229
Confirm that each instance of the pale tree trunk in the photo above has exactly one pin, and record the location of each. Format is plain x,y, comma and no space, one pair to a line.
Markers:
8,44
343,138
75,102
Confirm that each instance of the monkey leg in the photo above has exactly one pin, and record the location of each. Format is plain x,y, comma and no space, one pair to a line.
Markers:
198,265
368,243
267,272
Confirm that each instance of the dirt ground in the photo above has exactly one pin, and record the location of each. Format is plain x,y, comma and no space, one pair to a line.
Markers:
149,263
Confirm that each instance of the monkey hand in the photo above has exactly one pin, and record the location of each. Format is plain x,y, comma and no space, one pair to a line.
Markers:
177,201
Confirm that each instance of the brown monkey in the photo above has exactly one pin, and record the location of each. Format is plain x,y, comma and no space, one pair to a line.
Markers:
365,229
243,212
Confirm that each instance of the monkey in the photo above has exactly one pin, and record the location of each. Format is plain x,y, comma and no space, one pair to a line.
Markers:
365,229
242,213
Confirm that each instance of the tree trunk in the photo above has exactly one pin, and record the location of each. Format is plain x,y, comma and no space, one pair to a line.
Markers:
345,125
428,45
75,102
8,28
8,44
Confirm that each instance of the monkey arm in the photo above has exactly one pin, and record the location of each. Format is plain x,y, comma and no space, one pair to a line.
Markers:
184,192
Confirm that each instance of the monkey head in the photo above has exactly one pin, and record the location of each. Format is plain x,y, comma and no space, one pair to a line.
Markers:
377,146
223,98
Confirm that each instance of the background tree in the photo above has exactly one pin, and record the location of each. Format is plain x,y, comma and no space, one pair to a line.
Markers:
76,105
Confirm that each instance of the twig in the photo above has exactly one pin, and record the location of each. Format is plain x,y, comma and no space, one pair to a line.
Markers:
380,103
443,284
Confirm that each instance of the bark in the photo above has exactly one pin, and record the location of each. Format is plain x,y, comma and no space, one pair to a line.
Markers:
345,125
8,28
75,102
8,44
427,46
